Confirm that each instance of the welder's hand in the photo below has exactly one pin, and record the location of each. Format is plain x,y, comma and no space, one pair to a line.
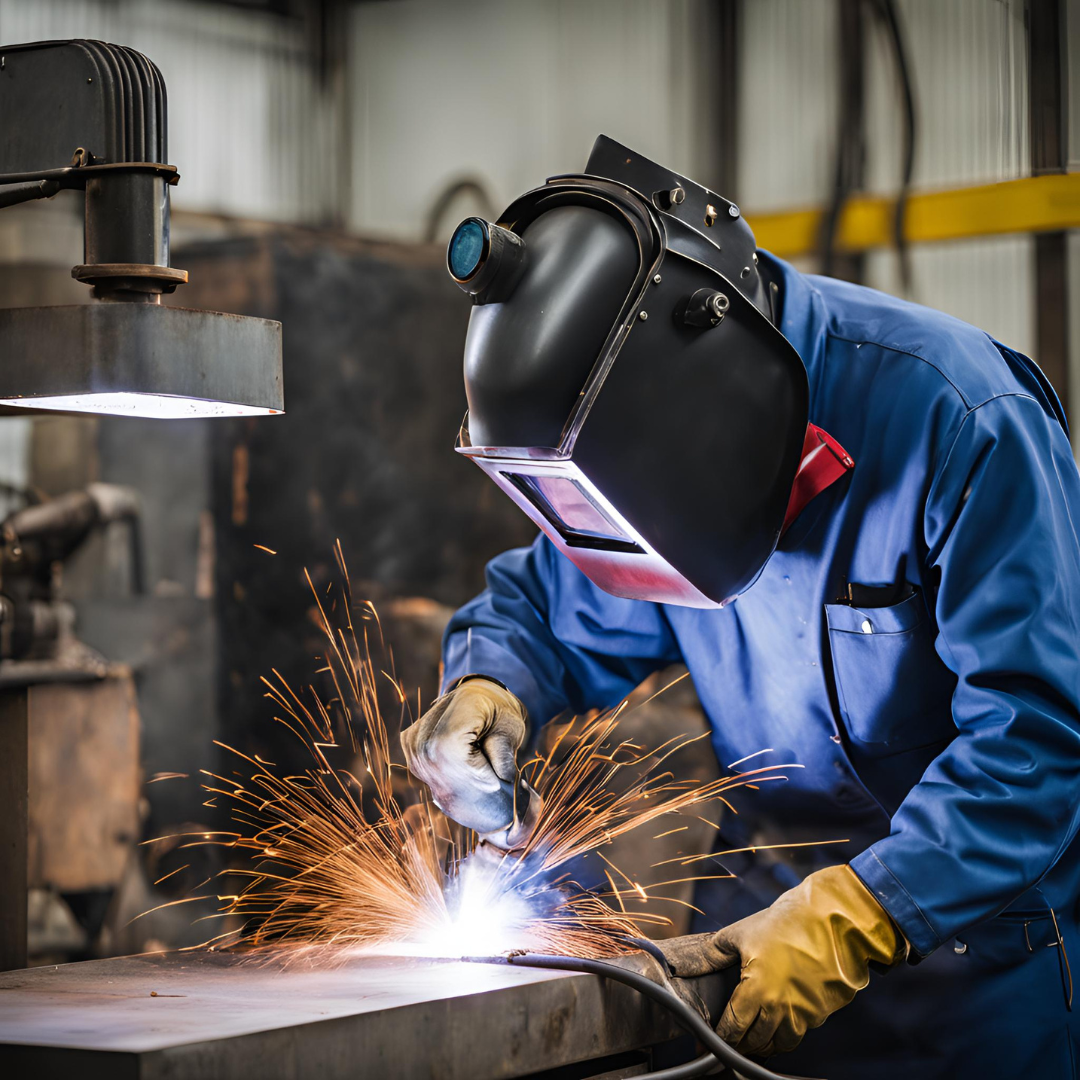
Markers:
465,749
802,959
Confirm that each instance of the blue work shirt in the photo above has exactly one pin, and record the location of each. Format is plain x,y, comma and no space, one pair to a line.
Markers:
939,730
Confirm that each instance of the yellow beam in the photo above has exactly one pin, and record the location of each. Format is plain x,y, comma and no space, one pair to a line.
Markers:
1031,204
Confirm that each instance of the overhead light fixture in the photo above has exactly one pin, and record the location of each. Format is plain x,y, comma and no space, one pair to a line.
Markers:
123,354
147,405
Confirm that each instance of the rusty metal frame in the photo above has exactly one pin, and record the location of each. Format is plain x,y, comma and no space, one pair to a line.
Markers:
14,800
1048,113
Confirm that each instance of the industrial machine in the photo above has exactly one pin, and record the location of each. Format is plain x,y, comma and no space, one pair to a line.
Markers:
93,116
37,638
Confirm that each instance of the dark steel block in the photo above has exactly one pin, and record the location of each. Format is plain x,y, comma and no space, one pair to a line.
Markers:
189,1015
106,99
224,365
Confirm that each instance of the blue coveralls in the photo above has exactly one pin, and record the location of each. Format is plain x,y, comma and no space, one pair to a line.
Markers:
939,730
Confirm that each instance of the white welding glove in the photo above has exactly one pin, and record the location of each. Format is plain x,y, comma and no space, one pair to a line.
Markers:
465,749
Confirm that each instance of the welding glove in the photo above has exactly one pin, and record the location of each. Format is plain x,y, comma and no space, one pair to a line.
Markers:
465,749
802,959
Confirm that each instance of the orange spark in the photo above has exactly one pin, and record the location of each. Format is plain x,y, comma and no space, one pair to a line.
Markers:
351,852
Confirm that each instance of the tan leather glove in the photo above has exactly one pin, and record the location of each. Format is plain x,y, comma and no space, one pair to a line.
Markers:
802,959
465,749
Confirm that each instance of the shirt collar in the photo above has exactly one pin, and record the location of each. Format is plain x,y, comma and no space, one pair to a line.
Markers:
802,322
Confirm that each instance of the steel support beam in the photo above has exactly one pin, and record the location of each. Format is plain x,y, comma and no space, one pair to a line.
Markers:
1032,204
14,803
1052,311
1048,115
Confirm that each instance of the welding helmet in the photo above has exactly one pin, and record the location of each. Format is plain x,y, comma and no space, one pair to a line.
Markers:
627,386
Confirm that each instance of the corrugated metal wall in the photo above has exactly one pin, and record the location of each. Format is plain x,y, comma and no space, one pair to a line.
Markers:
970,69
969,66
1072,18
251,128
506,91
510,93
788,88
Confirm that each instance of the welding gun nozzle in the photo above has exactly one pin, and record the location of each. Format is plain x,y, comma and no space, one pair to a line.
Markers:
527,805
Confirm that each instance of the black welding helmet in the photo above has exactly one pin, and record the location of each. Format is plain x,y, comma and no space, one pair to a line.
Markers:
626,385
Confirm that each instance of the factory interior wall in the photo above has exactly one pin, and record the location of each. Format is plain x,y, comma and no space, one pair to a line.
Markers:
254,122
1072,49
787,92
371,136
969,64
509,94
363,454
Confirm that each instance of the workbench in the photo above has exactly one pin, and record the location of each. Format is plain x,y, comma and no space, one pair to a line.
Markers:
175,1016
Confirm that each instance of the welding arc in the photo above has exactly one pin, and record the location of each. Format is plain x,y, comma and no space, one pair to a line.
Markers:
685,1016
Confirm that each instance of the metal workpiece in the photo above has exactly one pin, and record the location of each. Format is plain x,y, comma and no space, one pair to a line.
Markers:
226,365
188,1015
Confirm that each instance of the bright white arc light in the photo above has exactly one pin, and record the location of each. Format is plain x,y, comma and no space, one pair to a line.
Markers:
152,406
486,917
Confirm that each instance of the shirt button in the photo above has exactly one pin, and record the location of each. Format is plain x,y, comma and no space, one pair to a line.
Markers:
866,627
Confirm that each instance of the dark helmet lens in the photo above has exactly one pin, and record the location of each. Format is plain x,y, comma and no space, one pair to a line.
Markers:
466,248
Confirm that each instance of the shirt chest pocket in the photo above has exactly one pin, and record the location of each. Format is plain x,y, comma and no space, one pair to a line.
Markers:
894,692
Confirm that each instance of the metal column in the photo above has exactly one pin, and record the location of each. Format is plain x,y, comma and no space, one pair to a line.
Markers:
14,792
1048,114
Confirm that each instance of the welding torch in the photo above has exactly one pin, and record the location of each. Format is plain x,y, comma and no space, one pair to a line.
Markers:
523,805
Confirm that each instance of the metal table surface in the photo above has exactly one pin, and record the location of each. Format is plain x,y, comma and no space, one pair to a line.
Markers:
172,1016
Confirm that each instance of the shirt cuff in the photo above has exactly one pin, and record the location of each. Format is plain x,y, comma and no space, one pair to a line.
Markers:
472,654
897,901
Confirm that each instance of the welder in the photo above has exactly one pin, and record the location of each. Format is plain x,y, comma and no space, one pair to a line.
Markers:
855,520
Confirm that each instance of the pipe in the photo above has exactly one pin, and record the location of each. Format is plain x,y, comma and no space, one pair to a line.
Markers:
700,1066
13,194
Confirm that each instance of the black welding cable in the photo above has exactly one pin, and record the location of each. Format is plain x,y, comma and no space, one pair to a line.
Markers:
692,1069
469,185
850,159
684,1015
890,17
